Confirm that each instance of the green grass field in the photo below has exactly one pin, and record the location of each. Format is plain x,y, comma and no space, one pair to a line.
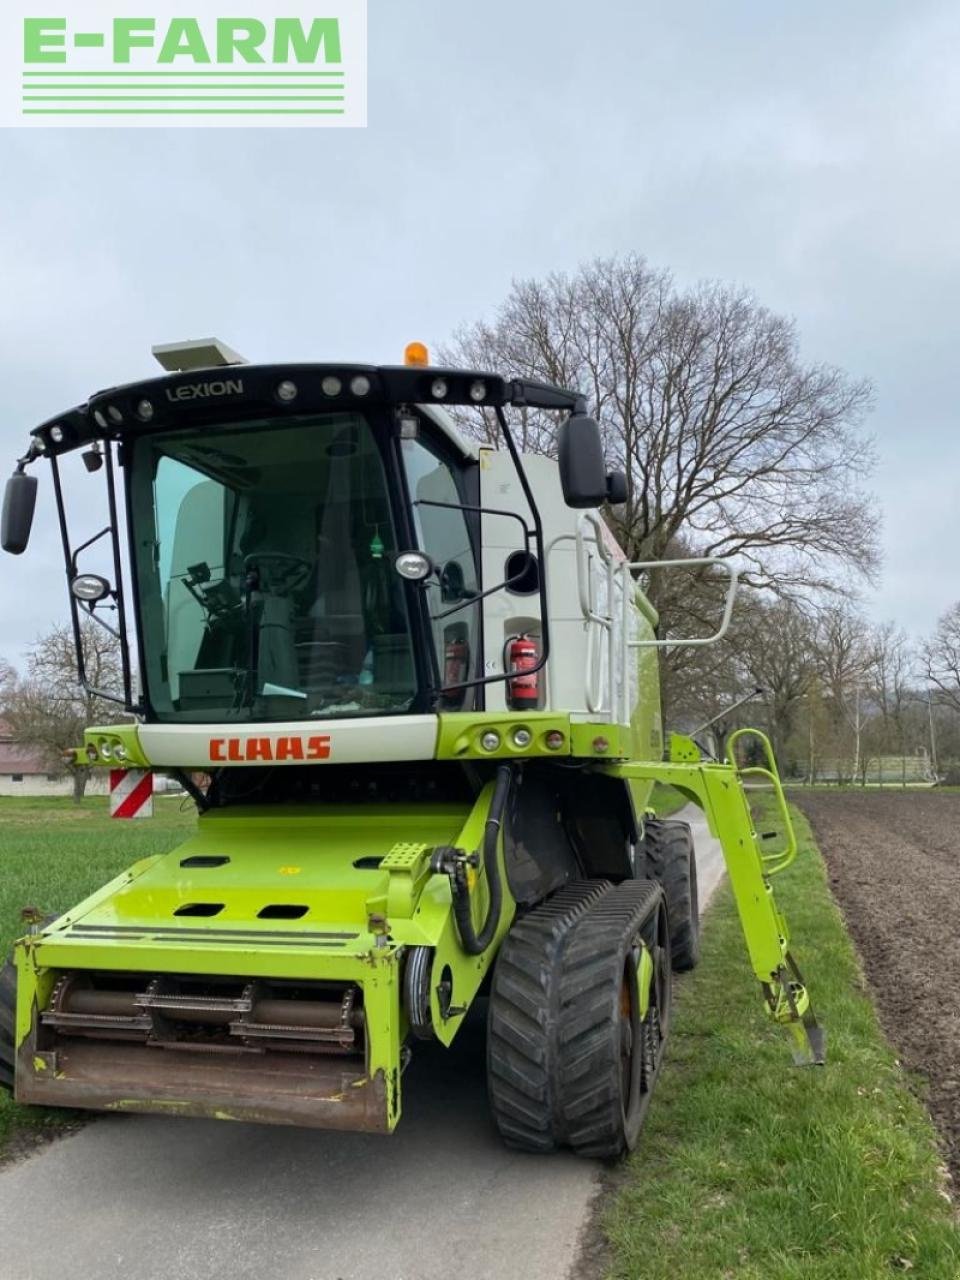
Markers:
52,854
753,1169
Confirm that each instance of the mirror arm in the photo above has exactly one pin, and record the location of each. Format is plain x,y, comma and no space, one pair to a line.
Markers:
74,569
69,557
30,457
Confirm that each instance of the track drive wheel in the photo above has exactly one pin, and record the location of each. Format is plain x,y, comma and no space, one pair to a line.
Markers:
609,1053
672,862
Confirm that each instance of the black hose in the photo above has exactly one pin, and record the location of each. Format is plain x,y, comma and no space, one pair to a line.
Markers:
472,942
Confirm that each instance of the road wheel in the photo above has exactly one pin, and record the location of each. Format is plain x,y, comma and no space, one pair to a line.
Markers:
8,1018
672,862
609,1054
522,1021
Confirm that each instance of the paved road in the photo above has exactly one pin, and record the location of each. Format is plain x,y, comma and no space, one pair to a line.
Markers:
143,1198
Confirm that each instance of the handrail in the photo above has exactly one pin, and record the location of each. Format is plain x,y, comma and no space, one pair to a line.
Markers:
779,861
628,568
619,574
597,699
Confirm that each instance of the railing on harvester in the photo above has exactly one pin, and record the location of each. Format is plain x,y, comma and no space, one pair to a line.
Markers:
608,593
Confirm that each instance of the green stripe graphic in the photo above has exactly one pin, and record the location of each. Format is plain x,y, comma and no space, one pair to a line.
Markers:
190,97
179,111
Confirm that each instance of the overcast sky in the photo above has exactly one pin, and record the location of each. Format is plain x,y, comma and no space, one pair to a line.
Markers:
809,151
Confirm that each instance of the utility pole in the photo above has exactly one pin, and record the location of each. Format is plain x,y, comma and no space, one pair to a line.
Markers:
933,737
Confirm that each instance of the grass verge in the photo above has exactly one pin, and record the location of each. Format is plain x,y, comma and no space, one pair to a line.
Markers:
52,854
750,1167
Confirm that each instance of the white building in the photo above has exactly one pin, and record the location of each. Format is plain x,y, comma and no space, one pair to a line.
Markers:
24,772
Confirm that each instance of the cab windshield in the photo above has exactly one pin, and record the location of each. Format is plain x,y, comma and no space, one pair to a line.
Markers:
265,573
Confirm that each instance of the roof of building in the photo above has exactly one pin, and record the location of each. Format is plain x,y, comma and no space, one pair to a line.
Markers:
16,757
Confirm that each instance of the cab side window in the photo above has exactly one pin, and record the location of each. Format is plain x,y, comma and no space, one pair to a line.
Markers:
444,534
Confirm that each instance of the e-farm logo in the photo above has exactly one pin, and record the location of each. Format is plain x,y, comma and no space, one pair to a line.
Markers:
104,62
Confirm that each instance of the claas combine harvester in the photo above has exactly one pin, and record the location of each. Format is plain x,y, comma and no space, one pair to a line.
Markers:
412,686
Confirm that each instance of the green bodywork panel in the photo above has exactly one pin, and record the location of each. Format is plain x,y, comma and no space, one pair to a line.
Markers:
720,791
361,871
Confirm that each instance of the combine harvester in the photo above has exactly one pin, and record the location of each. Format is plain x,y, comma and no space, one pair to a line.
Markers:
421,678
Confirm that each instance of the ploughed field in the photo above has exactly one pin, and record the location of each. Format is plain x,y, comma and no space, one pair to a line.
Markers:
894,866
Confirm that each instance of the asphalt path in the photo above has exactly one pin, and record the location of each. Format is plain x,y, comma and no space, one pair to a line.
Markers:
147,1198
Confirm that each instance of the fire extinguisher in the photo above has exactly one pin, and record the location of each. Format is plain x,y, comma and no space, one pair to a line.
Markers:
456,656
523,686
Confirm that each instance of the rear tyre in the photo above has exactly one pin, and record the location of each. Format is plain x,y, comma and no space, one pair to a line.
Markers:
609,1053
672,862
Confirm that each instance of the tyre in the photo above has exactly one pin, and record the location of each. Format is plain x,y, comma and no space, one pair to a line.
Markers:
610,1052
522,1019
571,1058
671,861
8,1017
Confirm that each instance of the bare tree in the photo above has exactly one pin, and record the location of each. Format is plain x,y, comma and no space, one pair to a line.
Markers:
940,657
49,710
726,436
8,682
777,653
844,653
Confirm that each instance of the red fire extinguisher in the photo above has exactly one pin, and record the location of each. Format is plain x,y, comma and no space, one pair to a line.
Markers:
523,686
456,656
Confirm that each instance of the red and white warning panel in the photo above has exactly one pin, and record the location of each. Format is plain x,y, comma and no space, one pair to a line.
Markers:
131,793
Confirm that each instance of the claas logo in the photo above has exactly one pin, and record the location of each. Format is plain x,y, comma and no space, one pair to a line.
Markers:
279,750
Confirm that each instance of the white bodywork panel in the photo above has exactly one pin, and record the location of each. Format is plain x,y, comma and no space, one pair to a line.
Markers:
578,650
364,740
440,418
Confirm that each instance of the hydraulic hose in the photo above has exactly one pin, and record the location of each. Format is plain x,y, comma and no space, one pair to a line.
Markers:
471,941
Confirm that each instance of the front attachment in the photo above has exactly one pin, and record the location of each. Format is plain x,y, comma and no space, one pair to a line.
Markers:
244,1049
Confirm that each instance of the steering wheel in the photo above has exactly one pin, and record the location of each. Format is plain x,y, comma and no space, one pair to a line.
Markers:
292,572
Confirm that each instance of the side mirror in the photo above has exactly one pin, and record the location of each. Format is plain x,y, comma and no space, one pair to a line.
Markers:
583,473
16,520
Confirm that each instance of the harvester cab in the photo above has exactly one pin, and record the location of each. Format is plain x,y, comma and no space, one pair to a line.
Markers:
411,685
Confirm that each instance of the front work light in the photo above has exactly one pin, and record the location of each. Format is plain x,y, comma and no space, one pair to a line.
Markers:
89,587
413,565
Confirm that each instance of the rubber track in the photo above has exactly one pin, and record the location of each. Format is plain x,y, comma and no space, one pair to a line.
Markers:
590,1115
524,1005
671,861
8,1013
